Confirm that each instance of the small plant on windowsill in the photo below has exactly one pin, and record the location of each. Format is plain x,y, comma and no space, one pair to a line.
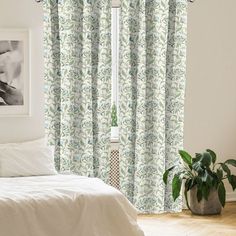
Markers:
114,124
114,116
203,178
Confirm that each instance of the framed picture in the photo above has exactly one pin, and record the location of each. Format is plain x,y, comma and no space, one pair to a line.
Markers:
14,72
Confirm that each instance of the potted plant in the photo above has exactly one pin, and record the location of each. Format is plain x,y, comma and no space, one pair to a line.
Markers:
114,123
203,178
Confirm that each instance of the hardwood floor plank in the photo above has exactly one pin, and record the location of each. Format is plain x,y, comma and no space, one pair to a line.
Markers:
186,224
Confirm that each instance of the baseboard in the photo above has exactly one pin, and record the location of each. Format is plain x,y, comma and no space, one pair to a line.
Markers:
231,197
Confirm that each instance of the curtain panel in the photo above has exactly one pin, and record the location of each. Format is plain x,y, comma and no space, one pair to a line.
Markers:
77,51
152,90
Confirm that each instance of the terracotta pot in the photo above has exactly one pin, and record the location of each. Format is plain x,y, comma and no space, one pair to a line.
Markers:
204,207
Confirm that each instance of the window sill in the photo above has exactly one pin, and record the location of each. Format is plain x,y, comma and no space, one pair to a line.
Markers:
114,139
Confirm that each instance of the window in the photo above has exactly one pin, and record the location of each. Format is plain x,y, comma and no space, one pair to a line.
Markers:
115,73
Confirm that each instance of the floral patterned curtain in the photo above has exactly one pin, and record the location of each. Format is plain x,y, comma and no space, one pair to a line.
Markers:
152,89
77,84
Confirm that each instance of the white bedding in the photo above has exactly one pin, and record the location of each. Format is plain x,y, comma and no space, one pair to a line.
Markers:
64,205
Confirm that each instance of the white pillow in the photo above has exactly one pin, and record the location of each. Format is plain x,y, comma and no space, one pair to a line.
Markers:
24,160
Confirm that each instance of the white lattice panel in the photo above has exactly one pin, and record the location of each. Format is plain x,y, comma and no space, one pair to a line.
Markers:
114,166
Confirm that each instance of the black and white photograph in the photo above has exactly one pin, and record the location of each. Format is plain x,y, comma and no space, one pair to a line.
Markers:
11,76
14,72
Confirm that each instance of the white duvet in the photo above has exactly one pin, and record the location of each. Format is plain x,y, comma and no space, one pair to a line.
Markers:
64,205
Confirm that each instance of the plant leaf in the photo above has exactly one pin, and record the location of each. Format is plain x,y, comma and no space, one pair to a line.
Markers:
197,167
190,183
205,176
176,186
232,181
205,191
197,158
206,159
199,194
213,155
231,162
198,180
216,180
226,169
209,180
186,157
165,175
219,174
221,193
186,197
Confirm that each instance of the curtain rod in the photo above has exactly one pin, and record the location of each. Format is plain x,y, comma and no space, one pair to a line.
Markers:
192,1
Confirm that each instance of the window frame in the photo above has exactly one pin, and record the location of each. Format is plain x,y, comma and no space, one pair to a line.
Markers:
115,67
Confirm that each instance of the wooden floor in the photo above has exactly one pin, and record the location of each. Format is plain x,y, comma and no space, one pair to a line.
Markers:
186,224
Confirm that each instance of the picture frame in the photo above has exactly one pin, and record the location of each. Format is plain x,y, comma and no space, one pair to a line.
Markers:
15,73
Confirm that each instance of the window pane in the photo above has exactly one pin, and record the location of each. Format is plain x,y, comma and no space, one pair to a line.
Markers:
115,72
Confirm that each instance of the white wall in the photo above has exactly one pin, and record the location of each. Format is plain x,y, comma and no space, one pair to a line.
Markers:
210,112
26,14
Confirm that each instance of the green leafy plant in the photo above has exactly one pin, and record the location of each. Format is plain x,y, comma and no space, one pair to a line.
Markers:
202,172
114,116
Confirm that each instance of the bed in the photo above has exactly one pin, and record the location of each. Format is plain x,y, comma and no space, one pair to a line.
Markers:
64,205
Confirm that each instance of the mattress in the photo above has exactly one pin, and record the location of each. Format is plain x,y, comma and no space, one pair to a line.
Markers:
64,205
